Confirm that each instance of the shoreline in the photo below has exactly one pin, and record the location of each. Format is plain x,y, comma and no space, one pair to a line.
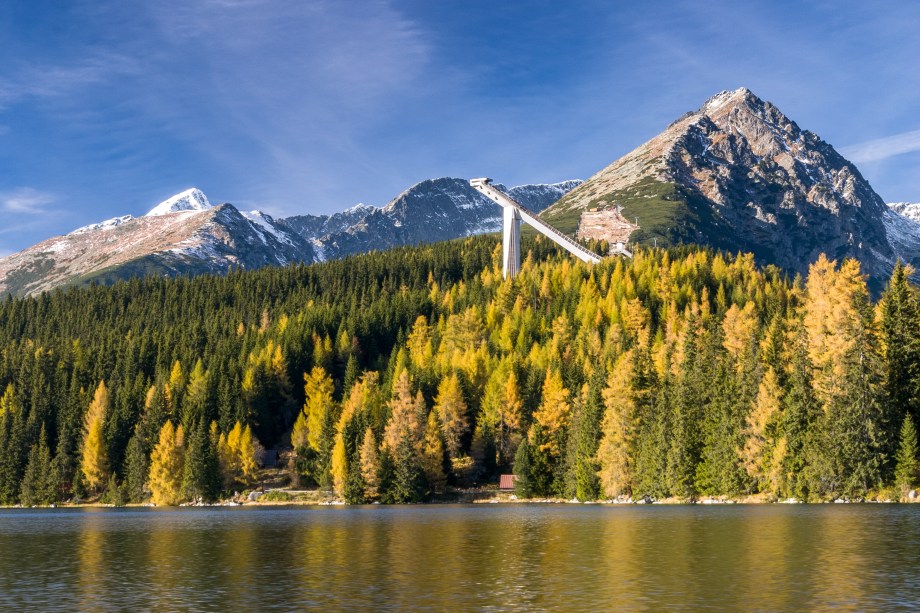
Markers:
314,498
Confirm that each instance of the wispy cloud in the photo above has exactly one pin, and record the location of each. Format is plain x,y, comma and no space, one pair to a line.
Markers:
25,200
25,80
883,148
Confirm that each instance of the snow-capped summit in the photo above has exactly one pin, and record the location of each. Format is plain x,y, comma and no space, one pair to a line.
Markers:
190,200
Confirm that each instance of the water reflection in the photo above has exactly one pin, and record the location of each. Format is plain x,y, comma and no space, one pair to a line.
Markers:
480,557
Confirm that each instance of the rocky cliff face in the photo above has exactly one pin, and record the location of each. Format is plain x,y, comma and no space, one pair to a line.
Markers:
737,174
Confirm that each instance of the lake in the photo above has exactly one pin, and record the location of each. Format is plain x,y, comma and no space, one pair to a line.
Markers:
463,558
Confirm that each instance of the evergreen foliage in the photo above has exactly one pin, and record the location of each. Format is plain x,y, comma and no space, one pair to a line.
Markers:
907,471
679,373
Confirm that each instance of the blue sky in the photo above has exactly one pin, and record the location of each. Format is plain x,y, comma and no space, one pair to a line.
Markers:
108,107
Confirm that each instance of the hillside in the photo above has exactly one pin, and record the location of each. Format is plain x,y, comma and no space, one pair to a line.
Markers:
394,375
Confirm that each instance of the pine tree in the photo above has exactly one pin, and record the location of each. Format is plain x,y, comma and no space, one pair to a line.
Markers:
166,466
136,469
408,478
523,471
900,331
36,487
907,460
201,472
94,464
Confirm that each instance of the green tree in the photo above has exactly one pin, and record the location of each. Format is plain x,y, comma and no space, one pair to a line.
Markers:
201,473
136,468
408,483
907,460
37,487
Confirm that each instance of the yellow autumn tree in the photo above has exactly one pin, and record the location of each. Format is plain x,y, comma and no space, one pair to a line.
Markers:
248,452
554,412
370,465
339,465
237,453
433,455
832,320
94,463
755,454
8,403
619,430
739,327
166,466
407,412
452,413
299,437
318,389
501,411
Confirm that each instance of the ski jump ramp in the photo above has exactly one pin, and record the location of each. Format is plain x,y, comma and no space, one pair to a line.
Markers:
514,213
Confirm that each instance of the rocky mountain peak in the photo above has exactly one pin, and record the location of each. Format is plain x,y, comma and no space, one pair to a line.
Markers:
738,174
192,199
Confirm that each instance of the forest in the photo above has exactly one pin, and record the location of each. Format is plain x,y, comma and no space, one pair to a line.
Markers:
404,375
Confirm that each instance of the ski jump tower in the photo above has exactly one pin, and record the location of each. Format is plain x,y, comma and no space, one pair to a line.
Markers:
514,213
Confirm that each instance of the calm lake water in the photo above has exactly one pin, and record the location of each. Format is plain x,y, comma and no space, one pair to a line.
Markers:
463,558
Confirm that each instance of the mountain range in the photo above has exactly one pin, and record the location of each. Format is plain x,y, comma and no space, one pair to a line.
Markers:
735,174
187,235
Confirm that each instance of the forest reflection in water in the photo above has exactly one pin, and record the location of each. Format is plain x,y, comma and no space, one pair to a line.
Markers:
475,557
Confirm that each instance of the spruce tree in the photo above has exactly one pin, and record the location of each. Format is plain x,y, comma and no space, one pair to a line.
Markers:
523,470
36,487
135,472
900,328
201,473
408,478
907,460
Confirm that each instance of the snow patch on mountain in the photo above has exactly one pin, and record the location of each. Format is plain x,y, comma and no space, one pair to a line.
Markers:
108,224
190,200
903,231
264,223
911,210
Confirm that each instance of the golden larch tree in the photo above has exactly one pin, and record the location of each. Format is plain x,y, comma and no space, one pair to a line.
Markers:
452,413
619,429
166,466
94,463
554,412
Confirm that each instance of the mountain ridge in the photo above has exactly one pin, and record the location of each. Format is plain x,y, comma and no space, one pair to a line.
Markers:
186,234
737,174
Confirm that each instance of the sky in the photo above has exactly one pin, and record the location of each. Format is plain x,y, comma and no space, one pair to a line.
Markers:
108,107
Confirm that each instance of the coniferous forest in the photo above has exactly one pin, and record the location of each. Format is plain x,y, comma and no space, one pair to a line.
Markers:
396,376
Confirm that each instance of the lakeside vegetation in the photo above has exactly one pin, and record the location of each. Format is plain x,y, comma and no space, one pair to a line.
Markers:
392,377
